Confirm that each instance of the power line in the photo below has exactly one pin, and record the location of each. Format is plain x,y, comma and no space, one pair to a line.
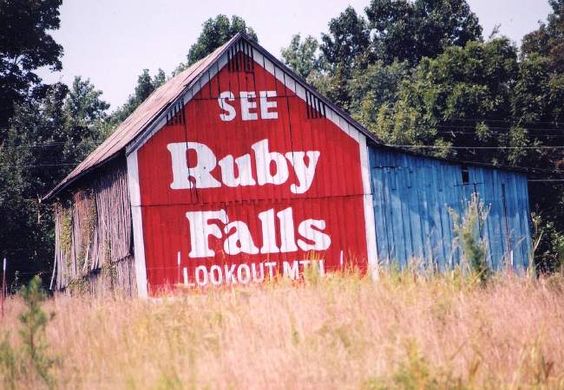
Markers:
37,145
475,147
477,119
548,136
528,128
50,165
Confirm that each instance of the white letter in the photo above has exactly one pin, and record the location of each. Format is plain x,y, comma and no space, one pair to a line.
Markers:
304,172
229,274
229,113
244,170
265,105
268,232
321,241
181,173
264,159
247,104
287,237
291,272
200,231
256,276
240,241
270,265
201,275
216,279
247,278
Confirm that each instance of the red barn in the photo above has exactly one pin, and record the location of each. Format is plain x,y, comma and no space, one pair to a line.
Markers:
231,173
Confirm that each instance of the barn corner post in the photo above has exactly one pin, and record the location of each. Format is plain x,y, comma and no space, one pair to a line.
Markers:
369,219
136,217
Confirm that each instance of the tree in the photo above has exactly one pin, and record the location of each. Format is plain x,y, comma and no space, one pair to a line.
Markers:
302,56
537,107
393,31
47,137
344,48
217,31
404,30
145,86
376,86
25,45
460,98
548,40
85,116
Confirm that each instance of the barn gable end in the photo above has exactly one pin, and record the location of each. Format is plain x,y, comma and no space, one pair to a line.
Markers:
303,122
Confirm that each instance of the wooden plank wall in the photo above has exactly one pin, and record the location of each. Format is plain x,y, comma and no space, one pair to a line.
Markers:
412,198
93,235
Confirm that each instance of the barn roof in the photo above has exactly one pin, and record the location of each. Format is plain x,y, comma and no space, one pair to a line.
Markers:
159,101
164,97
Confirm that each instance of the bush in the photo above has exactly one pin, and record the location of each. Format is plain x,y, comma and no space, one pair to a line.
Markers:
467,229
31,358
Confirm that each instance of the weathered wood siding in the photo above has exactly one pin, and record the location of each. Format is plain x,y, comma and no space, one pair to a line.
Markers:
93,235
412,198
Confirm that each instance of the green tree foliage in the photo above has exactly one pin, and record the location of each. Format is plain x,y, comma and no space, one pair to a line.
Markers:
537,107
408,31
302,55
215,32
25,45
390,32
47,137
374,87
344,47
85,117
456,98
145,86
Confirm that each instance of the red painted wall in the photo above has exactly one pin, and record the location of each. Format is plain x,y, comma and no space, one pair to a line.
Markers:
255,228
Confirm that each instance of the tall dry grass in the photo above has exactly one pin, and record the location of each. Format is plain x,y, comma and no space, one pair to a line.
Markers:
404,331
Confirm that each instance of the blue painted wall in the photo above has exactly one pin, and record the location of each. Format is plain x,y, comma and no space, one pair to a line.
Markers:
412,198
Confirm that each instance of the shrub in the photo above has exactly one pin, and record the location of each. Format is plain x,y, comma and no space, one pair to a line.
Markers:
31,357
467,229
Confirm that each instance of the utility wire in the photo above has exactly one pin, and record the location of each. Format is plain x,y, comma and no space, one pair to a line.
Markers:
503,121
476,147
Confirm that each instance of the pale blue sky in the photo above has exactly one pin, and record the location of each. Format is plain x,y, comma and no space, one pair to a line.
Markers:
111,41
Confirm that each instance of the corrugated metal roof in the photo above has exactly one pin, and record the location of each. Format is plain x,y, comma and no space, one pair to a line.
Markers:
162,98
143,116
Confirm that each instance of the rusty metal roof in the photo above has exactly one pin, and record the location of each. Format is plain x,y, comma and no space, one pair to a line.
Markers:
166,95
142,117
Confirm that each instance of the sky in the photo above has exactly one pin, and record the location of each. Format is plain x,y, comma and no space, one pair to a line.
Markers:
110,42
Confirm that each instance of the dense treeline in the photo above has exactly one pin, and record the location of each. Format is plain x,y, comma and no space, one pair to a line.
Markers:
420,75
417,73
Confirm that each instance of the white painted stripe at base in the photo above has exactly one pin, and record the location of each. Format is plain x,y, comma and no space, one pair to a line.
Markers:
369,222
138,244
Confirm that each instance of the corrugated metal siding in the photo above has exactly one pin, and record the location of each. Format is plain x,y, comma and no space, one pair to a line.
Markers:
177,247
412,198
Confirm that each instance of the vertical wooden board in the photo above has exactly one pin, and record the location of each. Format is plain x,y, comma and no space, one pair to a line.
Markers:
414,212
439,187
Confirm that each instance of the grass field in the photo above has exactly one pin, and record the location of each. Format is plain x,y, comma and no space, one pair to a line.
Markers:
338,332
